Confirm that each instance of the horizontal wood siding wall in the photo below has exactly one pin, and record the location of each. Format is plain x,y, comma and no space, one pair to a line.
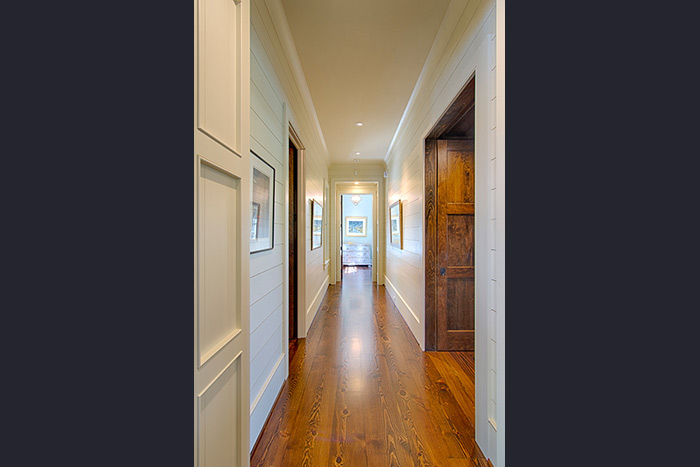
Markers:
276,100
404,267
467,46
267,330
315,177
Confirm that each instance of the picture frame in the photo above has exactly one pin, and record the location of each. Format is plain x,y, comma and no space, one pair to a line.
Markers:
355,226
262,204
316,224
396,224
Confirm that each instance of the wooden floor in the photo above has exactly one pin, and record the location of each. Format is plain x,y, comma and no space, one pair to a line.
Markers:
360,392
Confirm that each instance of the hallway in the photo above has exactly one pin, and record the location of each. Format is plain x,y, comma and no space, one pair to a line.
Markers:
360,391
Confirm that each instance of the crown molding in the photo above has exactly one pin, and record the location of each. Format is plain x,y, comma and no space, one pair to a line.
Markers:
450,19
279,21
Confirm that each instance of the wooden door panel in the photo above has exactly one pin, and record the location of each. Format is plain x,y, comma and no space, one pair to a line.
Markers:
459,176
460,240
455,245
460,303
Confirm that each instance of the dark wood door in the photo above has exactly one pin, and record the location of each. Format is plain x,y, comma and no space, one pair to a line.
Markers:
455,245
292,250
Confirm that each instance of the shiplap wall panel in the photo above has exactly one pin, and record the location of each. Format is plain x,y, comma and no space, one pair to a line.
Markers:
260,335
262,134
280,194
262,151
404,183
264,283
260,79
266,260
261,365
266,398
267,116
261,309
267,134
273,88
468,47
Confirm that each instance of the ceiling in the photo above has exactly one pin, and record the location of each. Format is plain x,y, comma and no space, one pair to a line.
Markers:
361,60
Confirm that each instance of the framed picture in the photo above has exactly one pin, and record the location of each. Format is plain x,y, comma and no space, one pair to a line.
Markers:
355,226
316,224
396,224
262,204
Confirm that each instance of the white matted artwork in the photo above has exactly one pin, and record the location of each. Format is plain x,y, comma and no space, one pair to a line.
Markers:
316,224
262,204
396,224
355,226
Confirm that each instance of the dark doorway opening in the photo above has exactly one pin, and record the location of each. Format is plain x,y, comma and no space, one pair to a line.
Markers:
293,245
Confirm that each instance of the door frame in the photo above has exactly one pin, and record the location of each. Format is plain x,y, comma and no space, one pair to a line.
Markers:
463,102
362,188
293,136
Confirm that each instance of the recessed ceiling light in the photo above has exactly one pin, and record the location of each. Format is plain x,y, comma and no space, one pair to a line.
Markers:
356,160
357,153
357,183
359,123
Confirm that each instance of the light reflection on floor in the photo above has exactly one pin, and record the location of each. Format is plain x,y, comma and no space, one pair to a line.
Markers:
351,269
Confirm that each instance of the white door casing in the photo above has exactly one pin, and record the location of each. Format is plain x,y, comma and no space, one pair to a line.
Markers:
221,220
363,188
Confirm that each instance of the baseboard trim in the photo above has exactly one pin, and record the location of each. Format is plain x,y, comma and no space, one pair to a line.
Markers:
414,324
398,295
267,383
316,304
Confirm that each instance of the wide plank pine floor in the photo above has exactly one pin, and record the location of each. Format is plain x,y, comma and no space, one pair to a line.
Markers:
360,392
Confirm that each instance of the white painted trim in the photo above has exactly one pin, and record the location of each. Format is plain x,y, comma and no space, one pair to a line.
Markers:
500,234
267,382
224,145
492,422
206,388
366,187
404,309
285,261
315,305
219,345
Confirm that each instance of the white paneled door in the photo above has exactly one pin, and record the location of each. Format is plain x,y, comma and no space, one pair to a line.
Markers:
221,220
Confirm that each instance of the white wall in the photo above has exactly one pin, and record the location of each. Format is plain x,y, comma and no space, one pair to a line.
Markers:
464,46
316,274
278,96
404,267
